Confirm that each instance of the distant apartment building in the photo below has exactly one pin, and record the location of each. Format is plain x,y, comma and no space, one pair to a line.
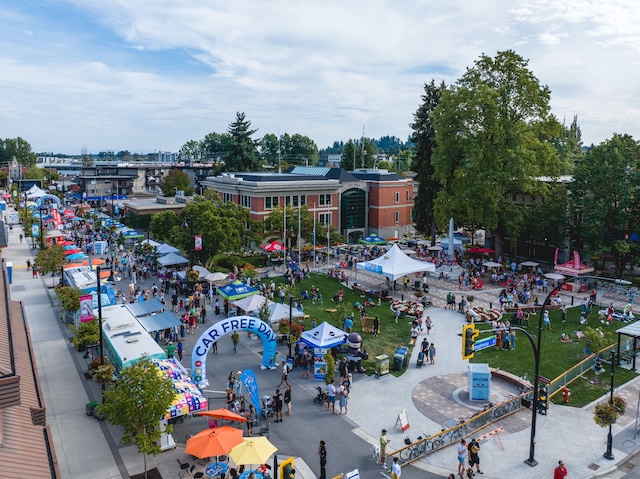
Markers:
167,157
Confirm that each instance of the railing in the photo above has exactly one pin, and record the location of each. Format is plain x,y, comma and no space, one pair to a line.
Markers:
582,367
7,307
427,445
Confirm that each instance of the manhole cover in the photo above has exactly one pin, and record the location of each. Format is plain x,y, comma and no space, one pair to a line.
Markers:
629,444
593,466
17,288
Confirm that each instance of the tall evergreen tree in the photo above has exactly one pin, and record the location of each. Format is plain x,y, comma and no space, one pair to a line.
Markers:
424,137
243,151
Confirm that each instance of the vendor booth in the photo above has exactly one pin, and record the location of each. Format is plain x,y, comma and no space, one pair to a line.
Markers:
575,267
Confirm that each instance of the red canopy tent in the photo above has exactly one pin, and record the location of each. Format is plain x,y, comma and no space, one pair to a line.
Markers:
480,251
274,246
575,267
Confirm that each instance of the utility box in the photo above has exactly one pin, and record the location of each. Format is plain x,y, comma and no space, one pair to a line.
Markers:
479,382
382,365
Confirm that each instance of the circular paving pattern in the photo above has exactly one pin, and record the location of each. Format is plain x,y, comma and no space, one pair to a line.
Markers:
444,399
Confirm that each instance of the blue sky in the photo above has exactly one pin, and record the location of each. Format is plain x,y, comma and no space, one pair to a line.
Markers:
148,75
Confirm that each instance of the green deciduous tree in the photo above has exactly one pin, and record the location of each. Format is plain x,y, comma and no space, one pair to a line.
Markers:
424,137
569,146
163,225
216,146
605,200
493,139
51,259
176,180
192,150
243,151
18,147
140,398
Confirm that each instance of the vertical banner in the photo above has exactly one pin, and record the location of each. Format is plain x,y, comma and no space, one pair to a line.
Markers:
248,380
35,230
198,243
319,363
86,308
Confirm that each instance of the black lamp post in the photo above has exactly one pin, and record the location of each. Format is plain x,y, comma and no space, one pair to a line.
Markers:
42,212
290,321
99,293
534,406
598,369
113,210
192,238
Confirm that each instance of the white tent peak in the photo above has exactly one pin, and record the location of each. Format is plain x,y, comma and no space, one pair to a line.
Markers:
395,264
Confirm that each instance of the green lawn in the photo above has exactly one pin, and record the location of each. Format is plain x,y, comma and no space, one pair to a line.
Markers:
391,335
556,357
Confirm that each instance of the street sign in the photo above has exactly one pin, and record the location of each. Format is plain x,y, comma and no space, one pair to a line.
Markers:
484,343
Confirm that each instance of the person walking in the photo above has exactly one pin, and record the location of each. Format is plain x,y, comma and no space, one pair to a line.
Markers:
384,440
396,471
235,338
285,374
171,349
331,393
21,238
462,457
432,353
179,348
287,399
474,458
304,362
560,472
344,396
322,452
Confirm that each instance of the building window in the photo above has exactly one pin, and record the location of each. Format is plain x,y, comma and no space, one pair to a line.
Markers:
270,202
227,197
397,216
245,201
296,201
407,195
397,197
287,200
303,200
325,200
324,218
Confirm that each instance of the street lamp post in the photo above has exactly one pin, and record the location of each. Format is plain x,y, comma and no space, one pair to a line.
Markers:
192,239
42,211
597,368
113,210
290,321
534,406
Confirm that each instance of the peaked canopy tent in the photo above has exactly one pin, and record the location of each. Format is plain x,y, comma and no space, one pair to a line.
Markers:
324,336
236,290
153,244
575,267
373,239
202,271
394,264
172,259
251,303
165,248
279,311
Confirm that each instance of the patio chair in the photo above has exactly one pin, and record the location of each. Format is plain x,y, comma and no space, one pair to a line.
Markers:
264,430
184,468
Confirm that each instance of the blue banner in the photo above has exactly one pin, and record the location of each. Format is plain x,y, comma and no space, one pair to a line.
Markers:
376,268
248,380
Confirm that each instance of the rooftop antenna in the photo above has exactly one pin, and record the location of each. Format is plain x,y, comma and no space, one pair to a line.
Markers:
362,146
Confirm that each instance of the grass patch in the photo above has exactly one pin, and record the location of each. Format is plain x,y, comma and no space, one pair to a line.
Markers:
391,335
557,357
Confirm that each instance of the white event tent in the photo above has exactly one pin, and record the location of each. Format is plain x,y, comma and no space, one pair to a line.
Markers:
394,264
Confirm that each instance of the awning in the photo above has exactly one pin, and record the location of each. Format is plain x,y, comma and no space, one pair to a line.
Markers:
159,322
145,307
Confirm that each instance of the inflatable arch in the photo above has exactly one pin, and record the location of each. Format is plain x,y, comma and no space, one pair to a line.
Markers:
226,326
48,197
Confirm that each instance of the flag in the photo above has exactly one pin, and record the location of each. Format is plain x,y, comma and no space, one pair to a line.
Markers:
248,380
86,308
198,243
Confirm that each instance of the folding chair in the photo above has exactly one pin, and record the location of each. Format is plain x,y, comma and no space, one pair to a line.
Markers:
194,469
184,468
264,430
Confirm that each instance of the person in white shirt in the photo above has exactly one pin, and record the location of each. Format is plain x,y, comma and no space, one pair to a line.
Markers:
331,403
396,471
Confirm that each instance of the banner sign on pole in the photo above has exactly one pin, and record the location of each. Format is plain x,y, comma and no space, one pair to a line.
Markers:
86,308
198,243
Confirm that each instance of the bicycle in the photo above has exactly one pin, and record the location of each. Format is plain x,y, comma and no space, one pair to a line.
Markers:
415,451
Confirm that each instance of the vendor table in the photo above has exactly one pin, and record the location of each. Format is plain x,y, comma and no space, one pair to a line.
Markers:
216,468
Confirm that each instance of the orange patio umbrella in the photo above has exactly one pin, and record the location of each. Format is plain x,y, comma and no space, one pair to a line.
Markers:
213,442
95,262
222,414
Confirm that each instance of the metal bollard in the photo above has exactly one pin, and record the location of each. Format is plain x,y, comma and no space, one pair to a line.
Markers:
402,297
571,300
490,305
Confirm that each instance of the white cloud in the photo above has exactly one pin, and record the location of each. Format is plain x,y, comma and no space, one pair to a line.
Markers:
152,74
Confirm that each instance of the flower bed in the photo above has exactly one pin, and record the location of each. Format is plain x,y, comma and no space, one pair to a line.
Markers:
408,308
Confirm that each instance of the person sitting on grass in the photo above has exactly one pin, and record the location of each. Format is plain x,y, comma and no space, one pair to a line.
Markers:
565,338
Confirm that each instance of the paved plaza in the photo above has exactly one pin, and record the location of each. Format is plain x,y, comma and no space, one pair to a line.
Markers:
431,396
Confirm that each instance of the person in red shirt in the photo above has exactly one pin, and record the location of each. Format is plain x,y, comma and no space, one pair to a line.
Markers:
560,472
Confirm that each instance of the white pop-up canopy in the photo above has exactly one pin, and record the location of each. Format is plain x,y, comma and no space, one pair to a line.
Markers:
395,264
324,336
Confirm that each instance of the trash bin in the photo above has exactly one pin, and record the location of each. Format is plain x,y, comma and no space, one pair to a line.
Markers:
416,285
89,408
398,360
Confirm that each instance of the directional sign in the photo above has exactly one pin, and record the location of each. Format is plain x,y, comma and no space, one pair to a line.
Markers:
484,343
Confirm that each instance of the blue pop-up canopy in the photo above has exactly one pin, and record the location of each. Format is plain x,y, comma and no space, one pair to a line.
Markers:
373,239
236,290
